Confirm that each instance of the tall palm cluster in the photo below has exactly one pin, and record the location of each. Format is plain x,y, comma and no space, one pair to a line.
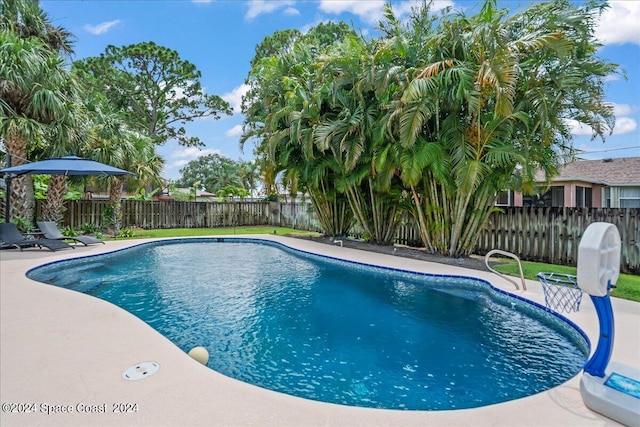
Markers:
46,110
435,117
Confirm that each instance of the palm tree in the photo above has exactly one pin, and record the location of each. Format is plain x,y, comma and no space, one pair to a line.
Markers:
287,101
141,158
32,82
353,132
69,135
488,106
283,109
250,176
110,141
35,88
26,19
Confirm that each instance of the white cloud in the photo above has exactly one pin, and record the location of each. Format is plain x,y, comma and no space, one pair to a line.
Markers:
305,28
371,11
441,4
578,128
367,10
234,131
624,125
234,98
622,109
101,28
258,7
402,9
177,164
191,153
291,11
619,23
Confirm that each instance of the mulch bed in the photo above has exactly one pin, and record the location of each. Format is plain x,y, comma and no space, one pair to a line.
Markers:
473,262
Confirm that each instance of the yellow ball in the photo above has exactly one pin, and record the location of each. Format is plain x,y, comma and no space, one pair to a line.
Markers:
200,354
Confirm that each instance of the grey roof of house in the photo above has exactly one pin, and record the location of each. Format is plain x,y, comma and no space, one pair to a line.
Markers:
620,171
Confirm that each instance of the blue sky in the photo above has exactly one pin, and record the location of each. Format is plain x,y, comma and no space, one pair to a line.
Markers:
219,37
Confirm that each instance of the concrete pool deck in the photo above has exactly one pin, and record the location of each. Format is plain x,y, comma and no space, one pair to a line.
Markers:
65,352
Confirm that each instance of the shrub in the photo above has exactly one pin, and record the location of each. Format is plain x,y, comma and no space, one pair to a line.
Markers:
126,232
69,232
23,224
88,228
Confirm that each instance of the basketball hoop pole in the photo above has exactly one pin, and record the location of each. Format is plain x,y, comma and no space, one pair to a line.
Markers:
597,364
598,270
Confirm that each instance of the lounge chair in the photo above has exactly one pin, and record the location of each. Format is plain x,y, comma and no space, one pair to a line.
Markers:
51,231
10,236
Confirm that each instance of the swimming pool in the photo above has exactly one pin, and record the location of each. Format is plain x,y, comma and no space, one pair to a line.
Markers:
334,331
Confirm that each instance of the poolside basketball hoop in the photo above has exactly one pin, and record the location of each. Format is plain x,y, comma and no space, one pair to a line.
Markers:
612,389
561,292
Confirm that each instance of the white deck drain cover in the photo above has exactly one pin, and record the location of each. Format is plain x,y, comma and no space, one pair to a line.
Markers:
140,371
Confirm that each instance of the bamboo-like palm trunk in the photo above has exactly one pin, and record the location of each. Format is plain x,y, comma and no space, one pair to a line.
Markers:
378,219
483,207
419,214
355,203
450,222
335,216
385,217
458,222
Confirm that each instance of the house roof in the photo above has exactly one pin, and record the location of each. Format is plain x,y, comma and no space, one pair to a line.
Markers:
620,171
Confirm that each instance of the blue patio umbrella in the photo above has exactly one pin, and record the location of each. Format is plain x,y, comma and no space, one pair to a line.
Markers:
69,165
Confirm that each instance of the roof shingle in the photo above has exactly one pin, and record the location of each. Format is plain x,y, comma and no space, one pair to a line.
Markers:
624,170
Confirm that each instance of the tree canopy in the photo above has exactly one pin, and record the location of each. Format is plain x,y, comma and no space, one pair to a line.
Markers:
158,91
215,172
434,117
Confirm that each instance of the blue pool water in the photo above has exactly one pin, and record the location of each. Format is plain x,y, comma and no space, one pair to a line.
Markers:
334,331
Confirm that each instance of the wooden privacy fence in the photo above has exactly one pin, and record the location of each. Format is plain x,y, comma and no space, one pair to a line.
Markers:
151,215
295,215
550,235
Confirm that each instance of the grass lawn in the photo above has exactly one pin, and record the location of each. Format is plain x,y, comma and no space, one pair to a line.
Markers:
628,286
188,232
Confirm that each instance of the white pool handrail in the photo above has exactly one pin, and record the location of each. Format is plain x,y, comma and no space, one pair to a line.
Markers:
509,254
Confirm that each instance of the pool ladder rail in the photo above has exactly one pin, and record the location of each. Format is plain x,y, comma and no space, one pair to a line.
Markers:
509,254
336,241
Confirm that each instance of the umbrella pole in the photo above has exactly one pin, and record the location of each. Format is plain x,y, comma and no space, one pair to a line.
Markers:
7,197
